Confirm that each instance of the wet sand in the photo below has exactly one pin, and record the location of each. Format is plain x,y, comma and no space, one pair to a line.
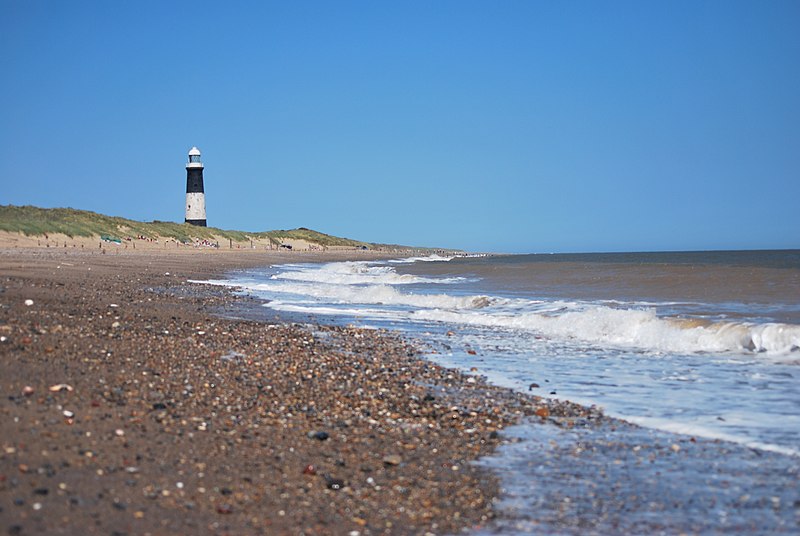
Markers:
130,405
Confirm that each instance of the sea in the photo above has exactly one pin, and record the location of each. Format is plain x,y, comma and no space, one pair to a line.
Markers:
696,353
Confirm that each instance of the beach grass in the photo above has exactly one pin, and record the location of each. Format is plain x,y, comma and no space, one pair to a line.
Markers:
36,221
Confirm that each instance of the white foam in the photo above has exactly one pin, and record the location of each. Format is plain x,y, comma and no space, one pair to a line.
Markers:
354,273
708,432
368,295
429,258
636,329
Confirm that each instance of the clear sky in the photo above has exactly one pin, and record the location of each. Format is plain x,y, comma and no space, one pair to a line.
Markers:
519,126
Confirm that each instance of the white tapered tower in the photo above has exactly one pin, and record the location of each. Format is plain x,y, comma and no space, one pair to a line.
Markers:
195,196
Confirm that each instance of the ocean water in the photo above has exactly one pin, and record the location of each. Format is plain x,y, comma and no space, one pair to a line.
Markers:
700,345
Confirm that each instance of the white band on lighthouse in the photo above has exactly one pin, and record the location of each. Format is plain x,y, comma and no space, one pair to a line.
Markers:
195,207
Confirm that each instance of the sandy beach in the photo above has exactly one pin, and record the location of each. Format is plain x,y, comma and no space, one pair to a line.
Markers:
131,406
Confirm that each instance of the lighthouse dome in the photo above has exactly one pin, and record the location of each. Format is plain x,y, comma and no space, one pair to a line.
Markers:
194,158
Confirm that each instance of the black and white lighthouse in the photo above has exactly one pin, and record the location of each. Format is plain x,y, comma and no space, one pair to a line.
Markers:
195,196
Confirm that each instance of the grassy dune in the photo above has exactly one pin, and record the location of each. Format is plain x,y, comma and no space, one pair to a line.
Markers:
35,221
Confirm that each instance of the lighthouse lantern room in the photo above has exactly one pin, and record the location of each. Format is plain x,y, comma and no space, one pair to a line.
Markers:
195,196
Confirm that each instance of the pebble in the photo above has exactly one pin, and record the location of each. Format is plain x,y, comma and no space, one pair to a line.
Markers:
309,470
334,483
28,302
392,459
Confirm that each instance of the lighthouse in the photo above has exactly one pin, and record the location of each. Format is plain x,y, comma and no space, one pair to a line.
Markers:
195,197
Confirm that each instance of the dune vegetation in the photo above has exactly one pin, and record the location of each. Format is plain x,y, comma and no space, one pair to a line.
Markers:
35,221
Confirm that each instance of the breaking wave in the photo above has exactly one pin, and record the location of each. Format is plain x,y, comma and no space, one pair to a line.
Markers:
379,292
634,329
355,273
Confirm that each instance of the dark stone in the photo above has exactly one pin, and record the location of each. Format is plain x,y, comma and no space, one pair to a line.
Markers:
41,491
322,436
533,386
335,483
159,405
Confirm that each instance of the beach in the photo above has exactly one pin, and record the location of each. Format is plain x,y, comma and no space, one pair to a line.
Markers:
138,399
693,354
132,405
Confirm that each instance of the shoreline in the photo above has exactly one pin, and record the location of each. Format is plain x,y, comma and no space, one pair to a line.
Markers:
178,419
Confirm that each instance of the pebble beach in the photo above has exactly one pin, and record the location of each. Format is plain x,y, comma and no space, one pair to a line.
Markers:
134,403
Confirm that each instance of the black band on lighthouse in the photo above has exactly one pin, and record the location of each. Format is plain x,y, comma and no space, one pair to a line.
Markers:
194,180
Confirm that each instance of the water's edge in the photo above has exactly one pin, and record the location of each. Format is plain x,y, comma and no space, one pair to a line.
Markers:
568,477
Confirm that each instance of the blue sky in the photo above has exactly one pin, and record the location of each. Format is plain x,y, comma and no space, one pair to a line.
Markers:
519,126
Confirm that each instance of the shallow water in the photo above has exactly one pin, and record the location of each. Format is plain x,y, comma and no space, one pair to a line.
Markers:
619,479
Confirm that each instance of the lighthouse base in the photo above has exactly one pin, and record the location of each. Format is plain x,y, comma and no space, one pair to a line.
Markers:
199,223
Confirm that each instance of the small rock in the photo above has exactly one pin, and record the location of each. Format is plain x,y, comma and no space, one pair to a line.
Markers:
533,386
321,436
27,390
334,483
29,302
309,470
60,387
224,509
392,459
